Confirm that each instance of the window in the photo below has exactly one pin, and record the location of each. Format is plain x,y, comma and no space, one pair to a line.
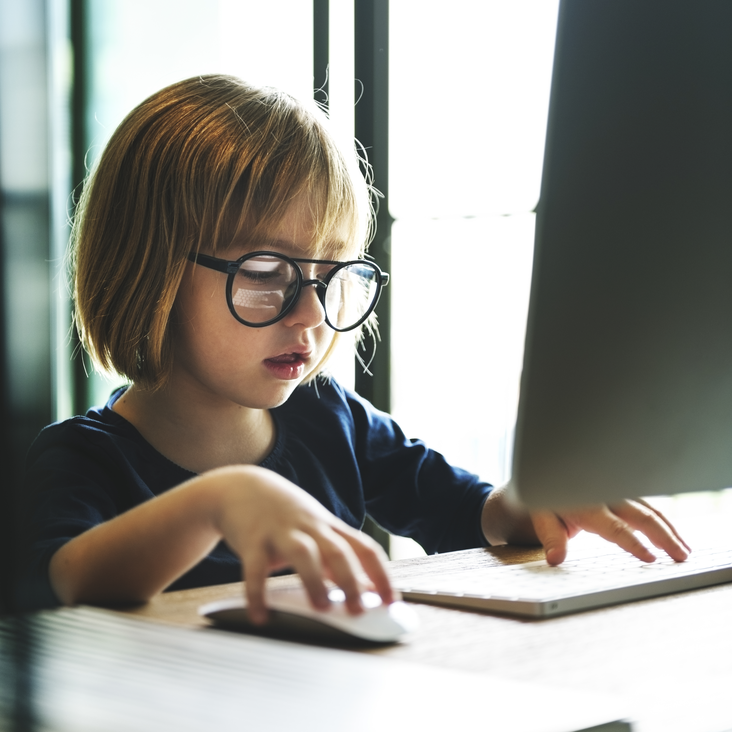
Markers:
469,92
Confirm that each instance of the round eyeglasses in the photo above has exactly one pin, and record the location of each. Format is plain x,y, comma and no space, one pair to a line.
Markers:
262,287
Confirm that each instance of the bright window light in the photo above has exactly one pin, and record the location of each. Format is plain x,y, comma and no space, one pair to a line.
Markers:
469,92
459,313
138,47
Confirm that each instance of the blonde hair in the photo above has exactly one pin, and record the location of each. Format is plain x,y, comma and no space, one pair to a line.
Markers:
196,165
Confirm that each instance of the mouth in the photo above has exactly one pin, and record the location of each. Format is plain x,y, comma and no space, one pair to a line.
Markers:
288,366
290,358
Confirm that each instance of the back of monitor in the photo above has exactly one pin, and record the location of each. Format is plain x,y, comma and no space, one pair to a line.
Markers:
627,381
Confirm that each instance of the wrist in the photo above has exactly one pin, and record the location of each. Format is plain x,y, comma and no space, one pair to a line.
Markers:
505,521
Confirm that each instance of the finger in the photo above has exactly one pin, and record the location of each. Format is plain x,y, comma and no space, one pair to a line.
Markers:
670,526
303,555
642,517
611,527
552,533
373,559
342,567
255,576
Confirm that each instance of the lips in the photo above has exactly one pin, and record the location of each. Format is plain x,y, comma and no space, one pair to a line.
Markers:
287,366
288,358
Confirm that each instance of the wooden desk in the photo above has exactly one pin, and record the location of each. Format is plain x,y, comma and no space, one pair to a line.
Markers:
671,657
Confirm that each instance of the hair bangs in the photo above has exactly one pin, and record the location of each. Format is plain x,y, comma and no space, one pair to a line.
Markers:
301,163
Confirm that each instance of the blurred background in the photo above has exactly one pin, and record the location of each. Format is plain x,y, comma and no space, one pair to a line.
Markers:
450,101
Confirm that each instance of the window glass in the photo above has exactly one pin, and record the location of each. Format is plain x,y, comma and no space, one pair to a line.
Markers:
138,47
469,90
27,282
459,311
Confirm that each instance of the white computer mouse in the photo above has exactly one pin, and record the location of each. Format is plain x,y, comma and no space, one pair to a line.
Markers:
292,616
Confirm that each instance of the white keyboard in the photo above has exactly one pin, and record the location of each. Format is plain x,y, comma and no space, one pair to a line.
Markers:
539,590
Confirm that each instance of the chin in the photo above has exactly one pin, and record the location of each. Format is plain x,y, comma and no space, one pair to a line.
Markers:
280,396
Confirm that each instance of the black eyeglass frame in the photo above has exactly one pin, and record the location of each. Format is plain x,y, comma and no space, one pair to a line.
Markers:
230,268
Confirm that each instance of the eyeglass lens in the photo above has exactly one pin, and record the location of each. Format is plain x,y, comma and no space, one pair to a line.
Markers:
265,285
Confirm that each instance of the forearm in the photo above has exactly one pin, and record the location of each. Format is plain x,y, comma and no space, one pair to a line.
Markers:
139,553
267,521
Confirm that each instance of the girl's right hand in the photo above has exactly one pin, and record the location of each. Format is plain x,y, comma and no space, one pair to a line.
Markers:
270,524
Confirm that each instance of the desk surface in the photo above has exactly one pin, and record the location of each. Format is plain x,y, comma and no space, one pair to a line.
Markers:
671,657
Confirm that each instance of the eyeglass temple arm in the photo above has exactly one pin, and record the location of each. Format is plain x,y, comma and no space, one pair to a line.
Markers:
220,265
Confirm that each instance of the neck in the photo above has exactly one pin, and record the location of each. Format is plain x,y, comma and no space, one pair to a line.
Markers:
195,434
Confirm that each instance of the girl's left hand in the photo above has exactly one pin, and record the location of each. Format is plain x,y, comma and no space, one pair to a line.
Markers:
504,522
617,523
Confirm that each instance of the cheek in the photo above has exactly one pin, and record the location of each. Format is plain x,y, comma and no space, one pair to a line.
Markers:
328,342
201,299
325,336
200,317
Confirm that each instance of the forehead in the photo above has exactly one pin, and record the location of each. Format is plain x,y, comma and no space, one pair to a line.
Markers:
299,232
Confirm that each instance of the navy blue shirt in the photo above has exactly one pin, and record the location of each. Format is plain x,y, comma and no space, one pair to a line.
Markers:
336,446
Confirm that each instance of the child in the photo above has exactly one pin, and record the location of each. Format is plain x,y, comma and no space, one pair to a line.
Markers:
218,252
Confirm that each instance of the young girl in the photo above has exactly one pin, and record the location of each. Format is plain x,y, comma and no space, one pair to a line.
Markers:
219,257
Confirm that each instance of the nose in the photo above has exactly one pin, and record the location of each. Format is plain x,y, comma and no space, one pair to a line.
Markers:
308,310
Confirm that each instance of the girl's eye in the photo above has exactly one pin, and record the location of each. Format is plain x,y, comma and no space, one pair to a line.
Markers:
256,272
257,277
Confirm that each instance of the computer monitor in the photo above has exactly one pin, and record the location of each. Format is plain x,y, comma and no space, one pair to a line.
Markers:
627,380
